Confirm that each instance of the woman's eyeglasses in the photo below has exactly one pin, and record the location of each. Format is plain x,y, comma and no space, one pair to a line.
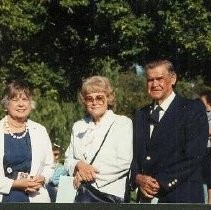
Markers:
99,99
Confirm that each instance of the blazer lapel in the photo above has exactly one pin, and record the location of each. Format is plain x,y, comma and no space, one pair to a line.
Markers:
147,126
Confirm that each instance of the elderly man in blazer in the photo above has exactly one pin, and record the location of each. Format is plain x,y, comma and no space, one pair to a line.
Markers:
170,138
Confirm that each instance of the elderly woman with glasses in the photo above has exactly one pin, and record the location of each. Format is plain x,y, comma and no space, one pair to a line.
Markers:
25,149
100,150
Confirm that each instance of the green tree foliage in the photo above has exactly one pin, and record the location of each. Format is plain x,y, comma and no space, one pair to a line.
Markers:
20,24
181,32
62,41
84,34
54,44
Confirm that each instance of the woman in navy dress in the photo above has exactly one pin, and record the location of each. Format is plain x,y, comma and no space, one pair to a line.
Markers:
26,155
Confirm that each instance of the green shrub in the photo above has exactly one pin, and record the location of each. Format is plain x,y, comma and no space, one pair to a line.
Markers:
57,117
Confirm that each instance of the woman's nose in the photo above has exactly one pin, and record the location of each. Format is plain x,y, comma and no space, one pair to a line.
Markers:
94,102
20,102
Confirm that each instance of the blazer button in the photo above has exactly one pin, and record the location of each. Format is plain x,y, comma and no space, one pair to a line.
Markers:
148,158
169,184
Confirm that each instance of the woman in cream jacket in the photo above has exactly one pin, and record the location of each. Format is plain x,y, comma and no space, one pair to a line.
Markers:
109,169
26,159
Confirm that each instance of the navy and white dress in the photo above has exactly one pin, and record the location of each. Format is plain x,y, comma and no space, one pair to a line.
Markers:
17,158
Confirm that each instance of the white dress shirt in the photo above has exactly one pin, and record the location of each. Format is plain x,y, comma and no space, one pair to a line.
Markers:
164,106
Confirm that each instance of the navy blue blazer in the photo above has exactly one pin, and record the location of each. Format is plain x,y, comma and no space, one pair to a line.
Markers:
174,152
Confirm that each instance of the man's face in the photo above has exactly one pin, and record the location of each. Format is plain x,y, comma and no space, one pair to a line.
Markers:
160,83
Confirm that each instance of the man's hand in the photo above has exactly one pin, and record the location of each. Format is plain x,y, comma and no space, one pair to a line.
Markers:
147,185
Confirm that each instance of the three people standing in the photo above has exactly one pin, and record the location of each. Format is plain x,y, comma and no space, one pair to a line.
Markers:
169,138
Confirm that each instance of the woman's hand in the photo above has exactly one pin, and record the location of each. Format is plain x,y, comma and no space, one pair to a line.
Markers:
86,171
77,180
38,179
27,185
35,183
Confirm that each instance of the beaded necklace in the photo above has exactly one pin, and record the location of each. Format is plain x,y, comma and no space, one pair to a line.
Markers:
12,134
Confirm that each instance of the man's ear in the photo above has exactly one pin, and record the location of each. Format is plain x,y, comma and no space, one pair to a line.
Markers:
173,79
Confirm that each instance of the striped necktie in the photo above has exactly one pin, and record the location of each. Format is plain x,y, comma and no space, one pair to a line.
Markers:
154,116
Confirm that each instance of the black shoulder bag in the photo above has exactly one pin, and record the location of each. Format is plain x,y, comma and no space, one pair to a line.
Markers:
86,193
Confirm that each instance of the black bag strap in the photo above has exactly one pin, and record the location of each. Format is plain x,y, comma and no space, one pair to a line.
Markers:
101,144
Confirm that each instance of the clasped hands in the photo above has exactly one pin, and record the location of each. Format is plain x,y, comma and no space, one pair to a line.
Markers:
147,185
31,184
84,172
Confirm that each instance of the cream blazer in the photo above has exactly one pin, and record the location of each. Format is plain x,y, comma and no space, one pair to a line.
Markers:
114,159
42,160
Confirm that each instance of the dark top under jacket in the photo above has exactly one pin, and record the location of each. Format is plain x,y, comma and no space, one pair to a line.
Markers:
17,157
